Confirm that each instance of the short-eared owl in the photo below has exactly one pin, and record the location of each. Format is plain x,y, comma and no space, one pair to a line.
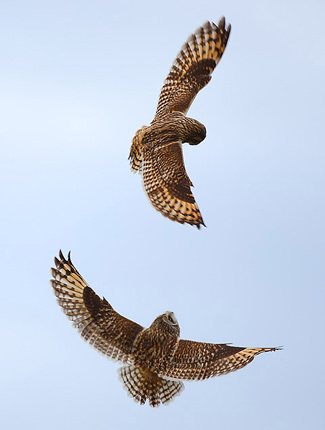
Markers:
156,359
156,150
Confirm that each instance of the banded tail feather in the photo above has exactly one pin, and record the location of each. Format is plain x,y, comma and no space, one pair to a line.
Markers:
144,385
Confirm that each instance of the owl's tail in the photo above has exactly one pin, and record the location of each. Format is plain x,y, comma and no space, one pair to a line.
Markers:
135,156
142,385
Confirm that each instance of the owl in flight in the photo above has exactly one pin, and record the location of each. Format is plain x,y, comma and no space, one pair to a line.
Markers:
156,359
156,150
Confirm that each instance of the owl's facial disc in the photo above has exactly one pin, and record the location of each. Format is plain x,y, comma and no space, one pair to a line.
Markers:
170,318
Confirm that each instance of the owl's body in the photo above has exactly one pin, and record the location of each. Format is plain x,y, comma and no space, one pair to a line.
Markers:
153,348
156,359
156,150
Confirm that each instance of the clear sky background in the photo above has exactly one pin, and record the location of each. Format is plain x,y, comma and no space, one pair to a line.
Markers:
78,78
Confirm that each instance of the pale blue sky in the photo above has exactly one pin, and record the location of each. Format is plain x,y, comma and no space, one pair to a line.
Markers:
78,78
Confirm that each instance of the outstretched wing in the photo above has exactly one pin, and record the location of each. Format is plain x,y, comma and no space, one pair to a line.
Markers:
98,323
193,66
198,360
167,184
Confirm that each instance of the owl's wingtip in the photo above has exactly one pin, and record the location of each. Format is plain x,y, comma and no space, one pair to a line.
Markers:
198,226
222,25
69,257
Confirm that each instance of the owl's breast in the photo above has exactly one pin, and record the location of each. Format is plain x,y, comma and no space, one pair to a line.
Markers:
153,350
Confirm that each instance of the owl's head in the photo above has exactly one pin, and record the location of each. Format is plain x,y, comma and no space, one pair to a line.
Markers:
167,322
198,132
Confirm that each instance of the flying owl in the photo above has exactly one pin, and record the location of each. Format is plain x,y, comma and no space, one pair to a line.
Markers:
156,359
156,150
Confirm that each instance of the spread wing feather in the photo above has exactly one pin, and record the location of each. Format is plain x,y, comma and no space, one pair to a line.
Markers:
193,67
98,323
167,184
199,360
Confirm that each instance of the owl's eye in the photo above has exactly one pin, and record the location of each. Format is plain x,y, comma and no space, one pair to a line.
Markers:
169,317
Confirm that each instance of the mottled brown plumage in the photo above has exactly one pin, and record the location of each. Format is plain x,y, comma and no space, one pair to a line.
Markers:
156,150
156,359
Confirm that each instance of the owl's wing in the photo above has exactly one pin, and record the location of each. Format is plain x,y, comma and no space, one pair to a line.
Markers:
167,184
98,323
198,360
192,68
